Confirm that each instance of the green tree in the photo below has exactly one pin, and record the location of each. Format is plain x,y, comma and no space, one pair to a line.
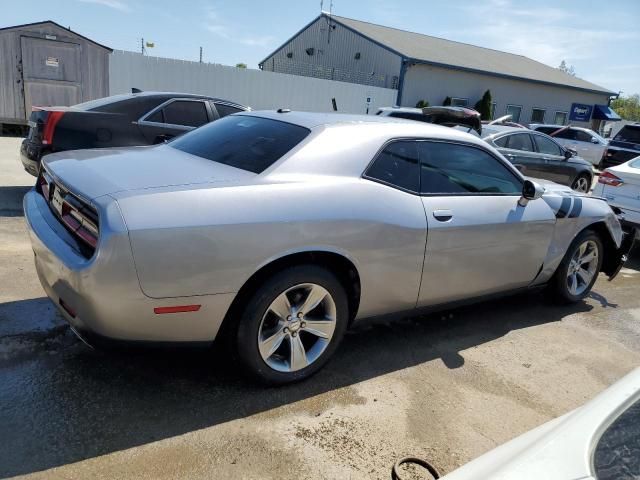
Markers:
627,107
483,106
241,65
568,69
422,104
447,102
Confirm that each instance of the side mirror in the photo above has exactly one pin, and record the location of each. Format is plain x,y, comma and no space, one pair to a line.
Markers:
530,191
595,140
569,152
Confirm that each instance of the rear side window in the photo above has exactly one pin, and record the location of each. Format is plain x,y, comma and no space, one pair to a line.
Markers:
240,141
628,134
582,136
547,146
547,130
397,165
224,110
188,113
447,168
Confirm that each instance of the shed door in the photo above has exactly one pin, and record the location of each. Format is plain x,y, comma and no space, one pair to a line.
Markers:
51,72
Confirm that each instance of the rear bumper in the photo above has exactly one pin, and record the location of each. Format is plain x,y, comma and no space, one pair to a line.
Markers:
101,297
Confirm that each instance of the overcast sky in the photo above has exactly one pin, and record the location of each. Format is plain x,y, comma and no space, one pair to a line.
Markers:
600,39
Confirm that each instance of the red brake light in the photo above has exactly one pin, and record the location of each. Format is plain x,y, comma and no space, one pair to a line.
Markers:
176,309
52,120
608,178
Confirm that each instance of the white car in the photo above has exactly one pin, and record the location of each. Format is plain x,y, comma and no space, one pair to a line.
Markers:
587,143
620,186
600,440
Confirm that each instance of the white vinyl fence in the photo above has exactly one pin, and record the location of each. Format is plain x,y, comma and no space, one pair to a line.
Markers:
255,88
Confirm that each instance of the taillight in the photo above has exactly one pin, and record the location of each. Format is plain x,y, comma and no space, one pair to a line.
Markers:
77,218
49,127
608,178
43,186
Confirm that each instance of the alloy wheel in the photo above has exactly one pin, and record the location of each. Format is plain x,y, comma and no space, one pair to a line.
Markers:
582,267
297,327
581,185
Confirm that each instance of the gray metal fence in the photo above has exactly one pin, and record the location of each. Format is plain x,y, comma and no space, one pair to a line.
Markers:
255,88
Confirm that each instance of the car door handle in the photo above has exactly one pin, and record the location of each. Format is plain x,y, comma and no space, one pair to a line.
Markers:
443,215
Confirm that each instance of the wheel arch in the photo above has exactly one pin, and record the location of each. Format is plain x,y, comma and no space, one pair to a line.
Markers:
611,251
336,262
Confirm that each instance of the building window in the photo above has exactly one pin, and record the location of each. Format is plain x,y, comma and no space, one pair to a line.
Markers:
560,118
514,111
459,102
493,110
537,115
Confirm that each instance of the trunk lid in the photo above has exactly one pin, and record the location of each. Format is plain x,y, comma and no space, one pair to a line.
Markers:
626,195
97,172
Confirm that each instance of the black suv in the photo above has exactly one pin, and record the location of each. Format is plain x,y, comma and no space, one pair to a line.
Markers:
623,147
141,118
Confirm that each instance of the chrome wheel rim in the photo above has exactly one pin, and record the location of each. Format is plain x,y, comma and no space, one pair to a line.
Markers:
297,327
581,185
582,268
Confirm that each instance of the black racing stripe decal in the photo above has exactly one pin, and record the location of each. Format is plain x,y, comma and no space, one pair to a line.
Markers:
577,208
564,208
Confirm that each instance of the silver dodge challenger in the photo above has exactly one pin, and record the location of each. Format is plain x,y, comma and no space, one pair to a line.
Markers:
274,231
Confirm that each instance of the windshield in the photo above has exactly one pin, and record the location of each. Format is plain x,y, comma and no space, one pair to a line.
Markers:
246,142
628,134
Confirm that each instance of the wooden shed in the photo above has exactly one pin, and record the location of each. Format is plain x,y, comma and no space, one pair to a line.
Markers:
45,63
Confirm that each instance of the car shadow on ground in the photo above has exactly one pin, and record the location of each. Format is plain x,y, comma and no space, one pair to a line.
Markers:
11,200
63,402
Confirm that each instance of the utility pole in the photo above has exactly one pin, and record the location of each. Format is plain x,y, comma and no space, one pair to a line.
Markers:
200,54
142,46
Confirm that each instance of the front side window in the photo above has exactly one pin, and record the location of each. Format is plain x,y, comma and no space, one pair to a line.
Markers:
547,146
447,168
397,165
582,136
537,115
242,141
514,111
187,113
560,118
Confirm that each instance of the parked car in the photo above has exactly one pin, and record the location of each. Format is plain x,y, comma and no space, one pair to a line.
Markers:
599,440
623,147
587,143
274,231
620,186
143,118
538,155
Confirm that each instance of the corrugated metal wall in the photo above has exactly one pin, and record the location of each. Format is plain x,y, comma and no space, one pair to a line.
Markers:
329,51
255,88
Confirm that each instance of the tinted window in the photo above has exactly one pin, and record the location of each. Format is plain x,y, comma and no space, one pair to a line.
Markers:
182,112
397,165
616,455
537,115
628,134
547,130
502,141
566,134
156,117
224,110
520,141
547,146
448,168
248,143
582,136
409,116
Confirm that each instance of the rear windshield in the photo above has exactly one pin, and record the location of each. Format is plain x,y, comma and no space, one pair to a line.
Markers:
628,134
93,104
245,142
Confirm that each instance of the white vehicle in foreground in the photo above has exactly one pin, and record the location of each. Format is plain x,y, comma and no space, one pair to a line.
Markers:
600,440
620,186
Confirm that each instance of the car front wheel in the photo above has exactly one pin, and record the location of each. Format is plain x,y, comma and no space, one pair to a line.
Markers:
292,324
579,268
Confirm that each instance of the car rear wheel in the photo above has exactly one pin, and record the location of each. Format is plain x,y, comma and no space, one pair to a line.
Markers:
579,268
292,325
582,183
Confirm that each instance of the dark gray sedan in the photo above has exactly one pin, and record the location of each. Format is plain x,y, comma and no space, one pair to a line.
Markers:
538,155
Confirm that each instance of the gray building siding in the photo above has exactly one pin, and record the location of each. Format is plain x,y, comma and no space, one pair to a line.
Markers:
334,56
434,84
45,64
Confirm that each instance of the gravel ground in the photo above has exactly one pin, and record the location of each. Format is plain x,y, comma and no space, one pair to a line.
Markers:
447,387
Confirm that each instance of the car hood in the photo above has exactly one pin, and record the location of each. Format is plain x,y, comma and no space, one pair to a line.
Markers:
98,172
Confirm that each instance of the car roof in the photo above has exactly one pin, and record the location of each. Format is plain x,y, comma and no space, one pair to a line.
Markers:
401,109
315,119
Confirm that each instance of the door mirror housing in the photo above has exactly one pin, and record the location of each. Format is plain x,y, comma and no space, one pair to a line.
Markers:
595,140
569,152
530,191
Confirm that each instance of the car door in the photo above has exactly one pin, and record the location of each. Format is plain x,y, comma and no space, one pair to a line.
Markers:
553,165
175,117
479,239
518,148
588,146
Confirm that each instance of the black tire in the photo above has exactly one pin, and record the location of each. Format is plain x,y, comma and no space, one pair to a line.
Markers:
246,335
558,286
577,181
